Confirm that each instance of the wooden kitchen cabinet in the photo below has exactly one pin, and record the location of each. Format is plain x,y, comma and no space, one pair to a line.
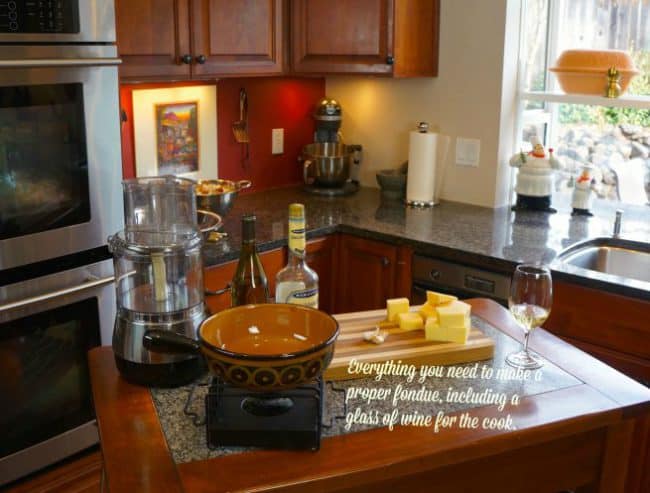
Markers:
152,38
322,257
218,277
611,327
172,39
386,37
369,273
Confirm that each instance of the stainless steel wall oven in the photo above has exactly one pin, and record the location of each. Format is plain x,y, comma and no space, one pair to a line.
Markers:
47,325
60,198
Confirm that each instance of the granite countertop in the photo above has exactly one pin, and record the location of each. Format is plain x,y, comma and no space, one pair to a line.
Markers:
493,239
187,440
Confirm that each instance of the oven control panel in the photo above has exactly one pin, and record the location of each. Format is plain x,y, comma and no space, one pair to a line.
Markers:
39,16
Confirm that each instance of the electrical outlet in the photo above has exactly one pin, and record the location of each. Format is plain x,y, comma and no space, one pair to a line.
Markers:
468,151
277,141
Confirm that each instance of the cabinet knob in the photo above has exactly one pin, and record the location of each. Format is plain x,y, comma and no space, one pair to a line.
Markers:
390,60
385,261
200,59
186,59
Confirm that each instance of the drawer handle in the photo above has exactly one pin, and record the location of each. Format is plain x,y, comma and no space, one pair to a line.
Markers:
385,261
201,59
186,59
434,274
209,292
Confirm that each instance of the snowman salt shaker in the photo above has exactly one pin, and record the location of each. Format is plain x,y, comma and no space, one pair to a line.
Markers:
535,178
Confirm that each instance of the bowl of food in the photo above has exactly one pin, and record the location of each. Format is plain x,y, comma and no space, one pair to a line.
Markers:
218,195
585,71
266,347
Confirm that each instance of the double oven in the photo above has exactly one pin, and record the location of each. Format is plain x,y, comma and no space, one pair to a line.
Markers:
60,198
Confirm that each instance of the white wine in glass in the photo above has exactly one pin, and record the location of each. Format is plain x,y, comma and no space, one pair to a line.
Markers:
531,297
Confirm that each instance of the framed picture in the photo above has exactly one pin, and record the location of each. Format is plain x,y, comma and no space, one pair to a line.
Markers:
175,131
177,138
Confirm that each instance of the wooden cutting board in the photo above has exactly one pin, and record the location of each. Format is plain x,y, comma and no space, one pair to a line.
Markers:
408,346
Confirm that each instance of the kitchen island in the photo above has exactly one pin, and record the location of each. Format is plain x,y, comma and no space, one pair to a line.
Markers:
577,435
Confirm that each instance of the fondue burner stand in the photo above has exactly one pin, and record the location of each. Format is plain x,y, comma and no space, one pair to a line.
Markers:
289,419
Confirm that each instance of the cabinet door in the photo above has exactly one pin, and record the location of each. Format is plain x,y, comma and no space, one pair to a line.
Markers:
367,274
218,277
341,36
321,256
153,38
611,327
242,37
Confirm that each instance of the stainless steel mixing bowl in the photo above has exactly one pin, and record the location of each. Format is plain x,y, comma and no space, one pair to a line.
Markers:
218,195
327,164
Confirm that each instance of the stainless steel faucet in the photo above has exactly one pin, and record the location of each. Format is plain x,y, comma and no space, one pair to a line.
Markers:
617,223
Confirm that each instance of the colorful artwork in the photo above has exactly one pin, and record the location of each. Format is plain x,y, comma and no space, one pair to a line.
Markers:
177,143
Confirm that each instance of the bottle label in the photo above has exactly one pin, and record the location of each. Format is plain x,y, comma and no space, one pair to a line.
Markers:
297,236
294,293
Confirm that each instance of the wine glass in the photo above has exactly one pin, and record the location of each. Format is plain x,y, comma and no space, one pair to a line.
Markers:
531,296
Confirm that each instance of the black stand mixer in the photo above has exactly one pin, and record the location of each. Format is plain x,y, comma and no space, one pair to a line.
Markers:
330,167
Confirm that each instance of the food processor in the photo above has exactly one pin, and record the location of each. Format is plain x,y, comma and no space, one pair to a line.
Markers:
159,278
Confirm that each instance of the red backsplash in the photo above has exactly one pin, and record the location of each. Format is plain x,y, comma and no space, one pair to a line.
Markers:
273,102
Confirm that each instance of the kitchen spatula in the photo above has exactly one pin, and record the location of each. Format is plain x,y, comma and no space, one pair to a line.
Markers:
240,127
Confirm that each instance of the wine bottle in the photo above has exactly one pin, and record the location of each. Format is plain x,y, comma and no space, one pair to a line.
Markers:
297,283
249,285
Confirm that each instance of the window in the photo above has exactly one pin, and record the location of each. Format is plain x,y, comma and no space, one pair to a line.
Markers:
611,135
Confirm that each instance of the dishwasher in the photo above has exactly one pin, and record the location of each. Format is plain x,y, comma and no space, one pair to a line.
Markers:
455,279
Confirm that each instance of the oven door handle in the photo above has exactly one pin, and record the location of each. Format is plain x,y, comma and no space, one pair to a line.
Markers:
90,284
58,62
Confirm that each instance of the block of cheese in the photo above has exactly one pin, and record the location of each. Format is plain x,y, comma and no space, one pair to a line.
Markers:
410,321
454,314
427,311
396,306
433,331
435,299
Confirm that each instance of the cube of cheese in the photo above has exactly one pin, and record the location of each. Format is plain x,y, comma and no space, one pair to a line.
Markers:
427,311
410,321
396,306
454,314
435,299
433,331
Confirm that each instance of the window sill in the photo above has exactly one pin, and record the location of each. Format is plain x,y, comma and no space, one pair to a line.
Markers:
625,101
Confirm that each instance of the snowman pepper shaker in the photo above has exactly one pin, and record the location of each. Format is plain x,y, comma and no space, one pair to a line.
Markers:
583,191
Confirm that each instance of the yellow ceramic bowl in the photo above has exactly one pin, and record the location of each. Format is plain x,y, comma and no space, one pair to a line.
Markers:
585,71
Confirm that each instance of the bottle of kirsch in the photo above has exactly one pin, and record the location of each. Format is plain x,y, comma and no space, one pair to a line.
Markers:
297,283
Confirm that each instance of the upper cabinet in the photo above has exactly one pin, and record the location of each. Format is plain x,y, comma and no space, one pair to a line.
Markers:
163,39
398,38
200,39
242,37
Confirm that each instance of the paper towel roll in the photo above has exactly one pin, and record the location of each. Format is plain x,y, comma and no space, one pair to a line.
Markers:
420,184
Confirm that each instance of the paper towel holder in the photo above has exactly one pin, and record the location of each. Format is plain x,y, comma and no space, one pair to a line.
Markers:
423,127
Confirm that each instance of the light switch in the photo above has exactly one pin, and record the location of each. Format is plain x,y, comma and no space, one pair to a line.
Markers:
468,151
277,141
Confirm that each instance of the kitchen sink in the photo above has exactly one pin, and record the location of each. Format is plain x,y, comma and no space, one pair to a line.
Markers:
624,258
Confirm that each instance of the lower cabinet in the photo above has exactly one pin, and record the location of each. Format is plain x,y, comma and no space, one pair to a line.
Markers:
370,272
610,327
353,273
322,257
